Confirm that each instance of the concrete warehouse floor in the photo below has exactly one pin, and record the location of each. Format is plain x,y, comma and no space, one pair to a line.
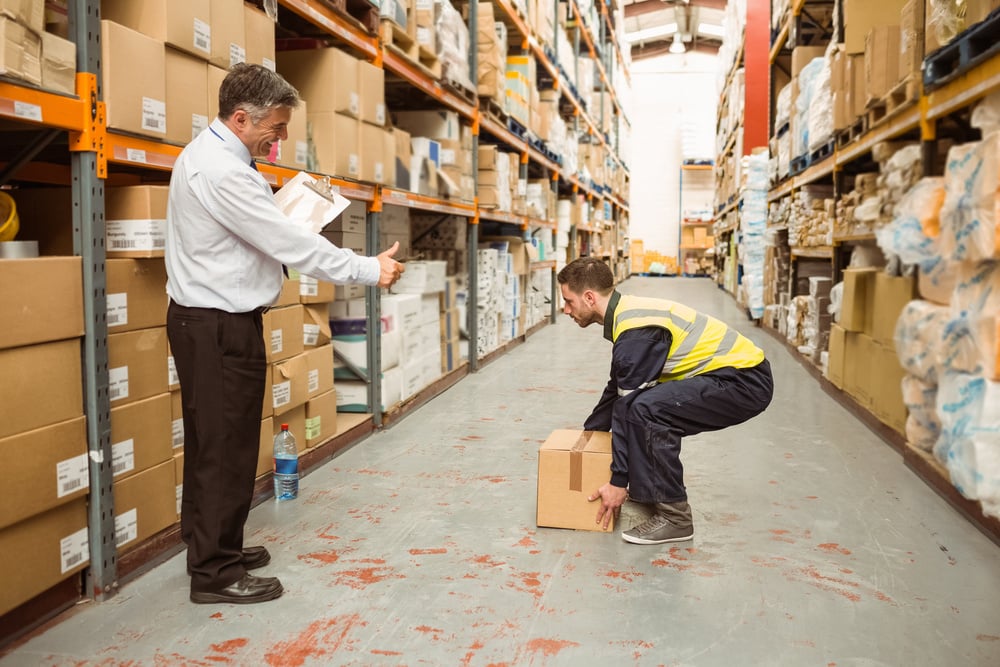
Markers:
814,545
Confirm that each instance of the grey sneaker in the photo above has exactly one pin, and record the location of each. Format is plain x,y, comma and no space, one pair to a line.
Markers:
632,514
671,523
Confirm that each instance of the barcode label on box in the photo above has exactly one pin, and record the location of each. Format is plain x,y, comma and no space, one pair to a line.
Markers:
154,115
380,113
355,103
308,286
353,165
269,64
447,156
313,380
202,36
117,309
180,495
199,124
126,527
144,235
28,111
301,152
74,550
310,335
117,383
314,426
172,378
237,54
282,393
122,457
72,475
379,172
177,432
277,341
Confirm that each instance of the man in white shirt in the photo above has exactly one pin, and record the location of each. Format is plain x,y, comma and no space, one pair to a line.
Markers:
226,244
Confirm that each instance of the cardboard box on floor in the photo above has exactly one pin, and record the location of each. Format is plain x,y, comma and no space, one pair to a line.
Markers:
319,371
176,420
315,326
290,384
891,294
283,329
857,307
57,542
835,362
137,365
141,436
265,451
571,465
296,420
179,480
859,369
321,418
886,388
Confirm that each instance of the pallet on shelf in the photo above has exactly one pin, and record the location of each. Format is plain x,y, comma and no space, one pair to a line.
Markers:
967,50
852,132
457,85
361,12
902,96
395,36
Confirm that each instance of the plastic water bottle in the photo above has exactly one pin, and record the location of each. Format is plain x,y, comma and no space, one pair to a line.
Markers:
286,465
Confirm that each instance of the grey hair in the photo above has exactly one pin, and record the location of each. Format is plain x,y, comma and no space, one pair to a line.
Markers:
256,90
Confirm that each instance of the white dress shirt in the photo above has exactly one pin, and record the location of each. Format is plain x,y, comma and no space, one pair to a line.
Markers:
227,239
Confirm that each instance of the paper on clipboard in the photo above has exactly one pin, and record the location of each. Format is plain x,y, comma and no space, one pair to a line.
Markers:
310,202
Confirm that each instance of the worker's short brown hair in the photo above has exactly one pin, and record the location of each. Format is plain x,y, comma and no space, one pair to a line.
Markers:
587,273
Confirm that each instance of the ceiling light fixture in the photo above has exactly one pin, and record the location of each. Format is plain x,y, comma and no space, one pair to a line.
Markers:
651,33
711,29
678,44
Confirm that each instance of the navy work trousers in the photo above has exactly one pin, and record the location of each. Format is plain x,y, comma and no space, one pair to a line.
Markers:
657,418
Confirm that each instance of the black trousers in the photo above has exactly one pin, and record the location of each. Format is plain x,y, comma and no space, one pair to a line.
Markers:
221,364
657,418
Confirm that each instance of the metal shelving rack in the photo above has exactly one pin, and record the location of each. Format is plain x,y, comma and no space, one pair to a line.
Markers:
696,173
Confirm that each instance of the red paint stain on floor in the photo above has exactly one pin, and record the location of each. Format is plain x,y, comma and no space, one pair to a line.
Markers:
527,582
471,438
486,559
624,576
321,638
377,652
377,473
988,638
832,547
217,615
813,577
493,479
772,481
812,497
325,557
363,577
549,647
427,552
426,629
779,535
526,542
681,560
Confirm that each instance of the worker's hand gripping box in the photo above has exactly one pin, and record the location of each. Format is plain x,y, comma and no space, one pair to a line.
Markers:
572,465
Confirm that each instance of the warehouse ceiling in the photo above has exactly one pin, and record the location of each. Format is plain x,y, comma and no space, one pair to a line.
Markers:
651,26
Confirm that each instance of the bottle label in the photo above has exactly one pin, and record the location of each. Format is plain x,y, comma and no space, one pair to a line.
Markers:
286,466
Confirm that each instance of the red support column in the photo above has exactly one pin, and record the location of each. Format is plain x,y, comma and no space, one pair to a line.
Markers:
757,72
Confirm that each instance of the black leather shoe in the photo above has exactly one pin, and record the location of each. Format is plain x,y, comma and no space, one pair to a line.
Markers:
248,590
253,558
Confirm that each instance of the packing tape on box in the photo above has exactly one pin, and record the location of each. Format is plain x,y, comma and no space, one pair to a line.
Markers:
576,461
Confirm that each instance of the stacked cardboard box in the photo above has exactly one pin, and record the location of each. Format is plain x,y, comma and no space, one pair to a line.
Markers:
811,217
494,178
43,434
492,55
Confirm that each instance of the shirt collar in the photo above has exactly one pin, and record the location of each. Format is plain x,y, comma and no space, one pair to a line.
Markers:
231,141
609,315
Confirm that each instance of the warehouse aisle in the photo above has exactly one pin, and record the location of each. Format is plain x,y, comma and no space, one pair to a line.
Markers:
814,545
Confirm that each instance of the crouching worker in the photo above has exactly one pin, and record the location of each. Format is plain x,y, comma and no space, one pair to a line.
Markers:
674,372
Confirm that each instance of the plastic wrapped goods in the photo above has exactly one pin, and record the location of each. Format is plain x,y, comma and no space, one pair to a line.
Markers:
918,337
975,309
923,428
453,43
969,217
800,122
821,108
913,233
783,107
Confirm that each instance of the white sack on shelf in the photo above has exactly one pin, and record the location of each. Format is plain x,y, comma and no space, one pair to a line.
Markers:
923,428
821,108
969,217
975,308
919,336
913,233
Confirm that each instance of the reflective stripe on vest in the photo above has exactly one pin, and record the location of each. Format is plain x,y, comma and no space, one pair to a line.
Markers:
700,343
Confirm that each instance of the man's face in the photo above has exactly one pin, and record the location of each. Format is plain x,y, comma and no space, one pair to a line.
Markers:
581,307
259,137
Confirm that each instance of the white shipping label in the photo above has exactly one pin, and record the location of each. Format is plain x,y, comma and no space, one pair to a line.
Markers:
199,124
28,111
522,187
447,156
117,309
308,286
314,427
117,383
282,393
143,235
277,340
313,380
154,115
72,475
73,550
301,152
135,155
355,104
379,172
380,113
269,64
237,54
180,494
126,527
122,457
172,377
202,36
353,165
310,335
177,433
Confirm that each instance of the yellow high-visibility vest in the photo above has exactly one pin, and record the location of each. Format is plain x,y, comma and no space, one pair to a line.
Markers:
700,343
